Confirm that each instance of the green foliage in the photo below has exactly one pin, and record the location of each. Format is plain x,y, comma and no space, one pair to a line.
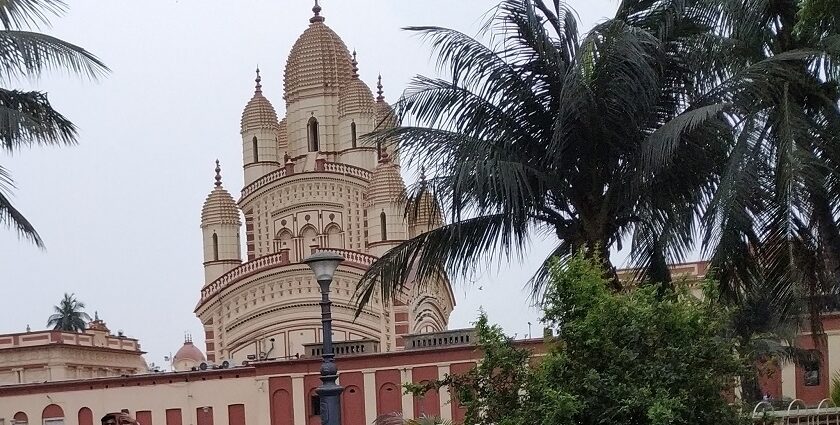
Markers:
818,19
397,419
69,315
835,390
27,118
619,358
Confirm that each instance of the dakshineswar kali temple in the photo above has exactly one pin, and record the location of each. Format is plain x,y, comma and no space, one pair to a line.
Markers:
310,185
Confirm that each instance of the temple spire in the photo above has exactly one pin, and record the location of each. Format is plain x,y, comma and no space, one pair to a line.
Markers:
380,94
218,174
258,87
355,65
317,11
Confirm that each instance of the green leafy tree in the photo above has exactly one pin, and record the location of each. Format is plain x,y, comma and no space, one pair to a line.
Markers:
69,315
618,358
26,117
398,419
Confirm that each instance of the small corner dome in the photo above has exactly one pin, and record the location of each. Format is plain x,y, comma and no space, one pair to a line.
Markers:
319,60
427,211
219,207
189,352
386,184
384,116
355,99
259,113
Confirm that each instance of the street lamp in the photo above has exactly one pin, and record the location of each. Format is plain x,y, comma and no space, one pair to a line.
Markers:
324,265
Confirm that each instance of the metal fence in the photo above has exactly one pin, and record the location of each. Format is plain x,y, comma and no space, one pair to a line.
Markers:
797,414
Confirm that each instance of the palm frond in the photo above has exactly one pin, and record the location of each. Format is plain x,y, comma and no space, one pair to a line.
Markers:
28,118
10,217
29,54
456,248
16,14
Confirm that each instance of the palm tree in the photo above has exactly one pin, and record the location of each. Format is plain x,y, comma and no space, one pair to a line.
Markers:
772,221
26,117
765,323
69,315
545,131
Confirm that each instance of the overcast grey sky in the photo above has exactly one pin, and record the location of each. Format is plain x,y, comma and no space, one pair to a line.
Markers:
120,212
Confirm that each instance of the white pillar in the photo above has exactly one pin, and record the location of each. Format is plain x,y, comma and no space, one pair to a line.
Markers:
371,393
299,400
789,380
407,399
445,397
255,415
832,356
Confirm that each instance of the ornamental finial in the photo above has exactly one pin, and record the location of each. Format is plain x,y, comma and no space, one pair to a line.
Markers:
317,11
355,65
218,174
380,94
258,80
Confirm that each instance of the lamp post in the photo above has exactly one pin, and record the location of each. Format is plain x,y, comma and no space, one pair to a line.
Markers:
324,265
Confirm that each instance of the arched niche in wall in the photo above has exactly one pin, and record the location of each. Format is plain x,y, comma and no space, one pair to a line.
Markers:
389,399
53,414
283,239
353,405
86,416
281,408
309,236
20,418
312,135
333,233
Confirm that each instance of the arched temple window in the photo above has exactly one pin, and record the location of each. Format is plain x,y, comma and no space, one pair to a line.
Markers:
353,133
333,233
256,149
383,225
52,415
215,247
20,418
312,133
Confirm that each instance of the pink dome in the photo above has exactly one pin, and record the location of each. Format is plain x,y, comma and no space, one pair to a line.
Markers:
189,352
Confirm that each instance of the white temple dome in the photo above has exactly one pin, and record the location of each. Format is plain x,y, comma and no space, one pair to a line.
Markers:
319,61
356,97
219,207
386,184
258,113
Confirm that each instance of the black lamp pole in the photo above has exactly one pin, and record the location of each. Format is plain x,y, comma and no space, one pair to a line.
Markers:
329,392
